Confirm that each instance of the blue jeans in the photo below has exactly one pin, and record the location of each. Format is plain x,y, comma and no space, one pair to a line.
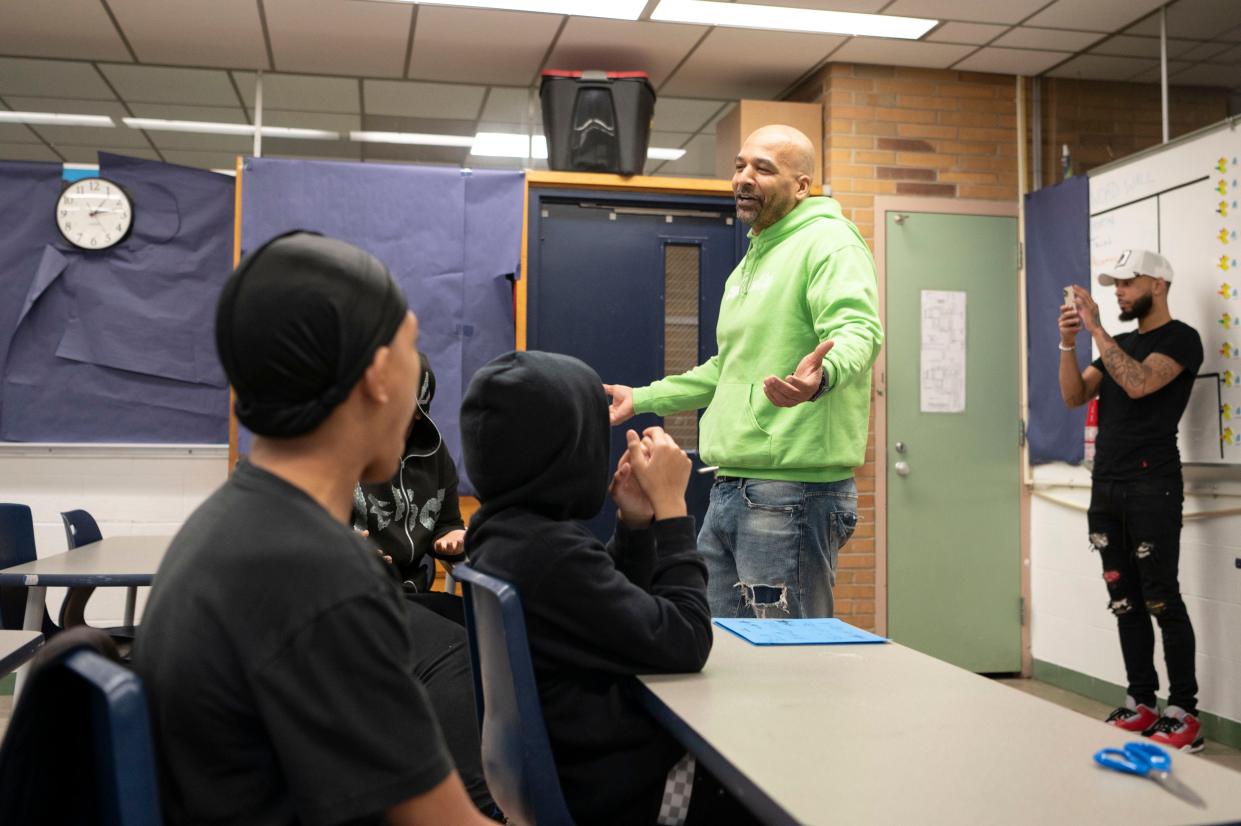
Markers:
771,547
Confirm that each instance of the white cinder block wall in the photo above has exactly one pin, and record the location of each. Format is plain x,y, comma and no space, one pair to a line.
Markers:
1071,626
130,489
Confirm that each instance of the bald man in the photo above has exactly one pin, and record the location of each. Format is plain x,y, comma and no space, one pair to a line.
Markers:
788,396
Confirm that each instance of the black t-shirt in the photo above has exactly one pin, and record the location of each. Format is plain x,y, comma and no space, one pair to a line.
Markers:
1137,437
278,667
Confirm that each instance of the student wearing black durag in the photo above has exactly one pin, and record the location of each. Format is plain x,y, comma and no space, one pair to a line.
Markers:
287,677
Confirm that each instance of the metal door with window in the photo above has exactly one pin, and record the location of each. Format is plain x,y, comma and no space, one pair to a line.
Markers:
953,479
631,285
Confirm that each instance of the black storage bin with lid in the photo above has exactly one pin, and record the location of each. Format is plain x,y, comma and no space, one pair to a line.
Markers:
597,121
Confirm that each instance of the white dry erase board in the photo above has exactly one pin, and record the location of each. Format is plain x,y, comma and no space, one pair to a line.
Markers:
1183,200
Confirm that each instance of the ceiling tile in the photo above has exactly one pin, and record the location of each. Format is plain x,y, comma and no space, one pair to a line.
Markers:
69,106
1233,55
157,84
698,161
1124,45
417,154
305,93
427,100
210,114
970,11
512,105
313,120
235,144
620,46
1196,19
974,33
335,150
1096,15
863,6
202,160
93,136
90,154
1207,51
52,78
1060,40
339,37
434,126
1010,61
1209,74
515,44
27,152
1101,67
1151,74
685,114
886,52
219,33
744,63
16,133
670,140
75,29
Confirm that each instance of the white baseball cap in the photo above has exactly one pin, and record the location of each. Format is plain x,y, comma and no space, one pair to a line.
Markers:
1132,263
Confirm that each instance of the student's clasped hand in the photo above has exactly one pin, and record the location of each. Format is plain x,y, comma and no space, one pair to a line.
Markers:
635,509
662,470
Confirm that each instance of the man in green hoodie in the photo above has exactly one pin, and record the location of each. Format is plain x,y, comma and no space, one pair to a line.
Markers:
803,304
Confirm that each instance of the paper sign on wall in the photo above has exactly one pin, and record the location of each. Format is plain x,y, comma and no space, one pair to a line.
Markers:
943,352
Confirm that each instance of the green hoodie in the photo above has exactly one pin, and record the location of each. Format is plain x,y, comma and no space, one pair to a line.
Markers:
806,278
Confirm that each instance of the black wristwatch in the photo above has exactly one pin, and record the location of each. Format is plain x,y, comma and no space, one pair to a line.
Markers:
822,387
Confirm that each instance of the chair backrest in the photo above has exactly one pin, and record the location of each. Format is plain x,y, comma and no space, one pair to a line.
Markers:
80,528
517,758
78,748
17,547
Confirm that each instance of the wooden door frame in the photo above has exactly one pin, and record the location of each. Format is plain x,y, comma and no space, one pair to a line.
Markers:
944,206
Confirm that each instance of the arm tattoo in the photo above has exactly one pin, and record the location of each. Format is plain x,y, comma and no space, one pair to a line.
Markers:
1128,373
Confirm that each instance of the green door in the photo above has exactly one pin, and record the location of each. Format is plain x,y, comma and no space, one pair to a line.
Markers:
953,474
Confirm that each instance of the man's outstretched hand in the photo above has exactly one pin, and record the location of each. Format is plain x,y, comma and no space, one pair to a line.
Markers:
620,409
802,383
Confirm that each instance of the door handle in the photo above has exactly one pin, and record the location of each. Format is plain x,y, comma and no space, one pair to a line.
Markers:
902,468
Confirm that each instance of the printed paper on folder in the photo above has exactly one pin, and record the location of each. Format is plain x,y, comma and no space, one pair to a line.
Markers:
798,632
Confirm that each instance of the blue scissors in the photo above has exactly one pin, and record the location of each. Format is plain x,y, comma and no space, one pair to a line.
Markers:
1149,761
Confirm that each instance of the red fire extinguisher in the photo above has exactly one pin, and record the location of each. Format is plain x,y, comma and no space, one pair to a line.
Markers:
1092,430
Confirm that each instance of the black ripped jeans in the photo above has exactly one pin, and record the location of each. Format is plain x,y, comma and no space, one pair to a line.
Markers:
1136,528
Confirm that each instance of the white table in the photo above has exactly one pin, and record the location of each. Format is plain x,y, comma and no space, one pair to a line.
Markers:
881,734
115,561
16,647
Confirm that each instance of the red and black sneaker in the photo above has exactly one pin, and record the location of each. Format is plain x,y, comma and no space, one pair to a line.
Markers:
1133,716
1177,729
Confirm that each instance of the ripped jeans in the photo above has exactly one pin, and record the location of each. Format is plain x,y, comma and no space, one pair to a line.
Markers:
771,547
1136,528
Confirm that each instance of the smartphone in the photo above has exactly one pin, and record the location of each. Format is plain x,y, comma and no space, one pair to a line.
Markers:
1068,297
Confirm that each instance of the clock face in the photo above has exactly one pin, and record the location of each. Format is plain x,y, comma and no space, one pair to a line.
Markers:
94,213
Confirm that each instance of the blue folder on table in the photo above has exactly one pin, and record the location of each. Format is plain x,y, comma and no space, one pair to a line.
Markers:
798,632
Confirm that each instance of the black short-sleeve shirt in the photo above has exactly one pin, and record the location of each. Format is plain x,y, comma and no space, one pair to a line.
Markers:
1137,437
278,667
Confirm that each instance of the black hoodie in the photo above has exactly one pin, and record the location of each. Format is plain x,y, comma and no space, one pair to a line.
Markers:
406,514
535,428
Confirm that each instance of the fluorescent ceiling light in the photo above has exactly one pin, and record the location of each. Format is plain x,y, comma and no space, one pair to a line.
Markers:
500,145
656,153
55,119
611,9
414,138
783,18
243,129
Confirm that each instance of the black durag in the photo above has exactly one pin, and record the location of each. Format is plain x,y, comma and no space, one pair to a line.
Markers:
297,325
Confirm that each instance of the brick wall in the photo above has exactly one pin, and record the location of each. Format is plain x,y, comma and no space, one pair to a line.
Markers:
1101,122
926,132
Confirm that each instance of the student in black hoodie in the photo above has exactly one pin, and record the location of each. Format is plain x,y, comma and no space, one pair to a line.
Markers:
535,429
417,511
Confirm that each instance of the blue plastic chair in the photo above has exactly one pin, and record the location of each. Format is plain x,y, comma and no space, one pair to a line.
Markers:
16,548
79,748
517,757
82,529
